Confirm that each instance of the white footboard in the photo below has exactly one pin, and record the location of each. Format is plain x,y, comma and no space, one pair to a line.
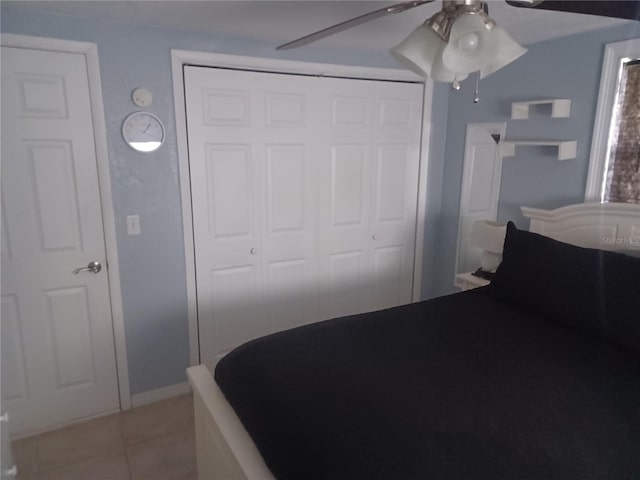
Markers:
224,449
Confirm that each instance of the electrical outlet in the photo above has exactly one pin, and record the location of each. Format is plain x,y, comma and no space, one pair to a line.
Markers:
133,224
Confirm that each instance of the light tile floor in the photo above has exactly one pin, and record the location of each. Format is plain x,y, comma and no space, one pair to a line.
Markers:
154,442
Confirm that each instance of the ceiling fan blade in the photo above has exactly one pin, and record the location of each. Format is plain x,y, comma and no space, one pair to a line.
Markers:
628,9
367,17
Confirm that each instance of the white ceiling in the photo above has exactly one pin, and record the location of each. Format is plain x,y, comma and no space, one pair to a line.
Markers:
281,21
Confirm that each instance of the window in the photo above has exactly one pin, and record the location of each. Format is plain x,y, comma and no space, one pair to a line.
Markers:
622,181
614,170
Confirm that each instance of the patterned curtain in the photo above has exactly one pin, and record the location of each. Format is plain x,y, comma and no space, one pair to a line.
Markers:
623,174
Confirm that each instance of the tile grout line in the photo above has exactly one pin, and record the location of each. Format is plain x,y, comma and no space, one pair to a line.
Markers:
124,444
37,470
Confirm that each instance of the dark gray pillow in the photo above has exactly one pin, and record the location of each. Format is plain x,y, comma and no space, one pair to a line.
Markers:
590,290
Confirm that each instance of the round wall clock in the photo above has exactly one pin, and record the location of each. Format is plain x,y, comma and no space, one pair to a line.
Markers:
143,131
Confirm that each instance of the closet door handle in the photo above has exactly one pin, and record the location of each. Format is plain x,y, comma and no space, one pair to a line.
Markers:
374,236
253,251
94,267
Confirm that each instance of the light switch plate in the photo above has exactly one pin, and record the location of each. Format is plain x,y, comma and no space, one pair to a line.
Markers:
133,224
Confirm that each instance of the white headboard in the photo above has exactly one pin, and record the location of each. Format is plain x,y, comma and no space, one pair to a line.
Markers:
607,226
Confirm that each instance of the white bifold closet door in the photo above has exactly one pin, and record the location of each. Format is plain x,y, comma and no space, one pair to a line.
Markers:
304,199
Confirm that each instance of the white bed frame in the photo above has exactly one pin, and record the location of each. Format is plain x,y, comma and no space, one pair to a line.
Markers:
225,450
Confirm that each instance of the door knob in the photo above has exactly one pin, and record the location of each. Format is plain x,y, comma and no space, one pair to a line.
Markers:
253,251
94,267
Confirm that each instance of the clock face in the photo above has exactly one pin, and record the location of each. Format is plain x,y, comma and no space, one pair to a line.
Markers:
143,131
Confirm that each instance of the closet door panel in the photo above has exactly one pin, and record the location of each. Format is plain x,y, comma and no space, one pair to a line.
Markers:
395,171
348,283
288,141
256,265
289,241
286,165
304,199
288,294
389,282
224,164
344,210
233,301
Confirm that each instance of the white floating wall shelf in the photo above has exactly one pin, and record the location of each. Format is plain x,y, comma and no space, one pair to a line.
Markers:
560,108
566,148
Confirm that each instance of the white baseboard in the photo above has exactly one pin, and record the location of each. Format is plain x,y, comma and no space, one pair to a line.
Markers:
151,396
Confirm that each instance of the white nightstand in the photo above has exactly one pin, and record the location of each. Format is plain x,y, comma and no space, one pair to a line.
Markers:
466,281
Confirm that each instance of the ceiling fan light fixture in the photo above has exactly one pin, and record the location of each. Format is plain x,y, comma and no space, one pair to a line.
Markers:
460,39
508,50
471,44
440,73
419,50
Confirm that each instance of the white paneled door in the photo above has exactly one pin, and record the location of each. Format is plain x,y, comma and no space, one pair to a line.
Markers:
304,197
58,360
368,180
480,188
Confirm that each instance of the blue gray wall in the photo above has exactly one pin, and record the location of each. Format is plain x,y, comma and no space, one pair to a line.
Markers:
569,67
152,265
432,224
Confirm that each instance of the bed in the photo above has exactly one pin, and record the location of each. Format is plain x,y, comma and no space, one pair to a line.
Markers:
536,376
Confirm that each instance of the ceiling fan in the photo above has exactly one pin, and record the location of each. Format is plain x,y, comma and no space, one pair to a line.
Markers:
462,38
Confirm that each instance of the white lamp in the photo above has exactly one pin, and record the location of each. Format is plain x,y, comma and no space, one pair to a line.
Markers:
489,236
456,41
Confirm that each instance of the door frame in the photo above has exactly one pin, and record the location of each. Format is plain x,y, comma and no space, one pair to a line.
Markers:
180,58
474,129
90,52
614,54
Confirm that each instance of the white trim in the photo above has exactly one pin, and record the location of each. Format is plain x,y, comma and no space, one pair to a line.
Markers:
423,174
178,59
187,57
240,62
474,130
90,51
152,396
614,53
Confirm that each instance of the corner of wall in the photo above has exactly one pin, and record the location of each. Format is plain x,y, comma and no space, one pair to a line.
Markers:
437,145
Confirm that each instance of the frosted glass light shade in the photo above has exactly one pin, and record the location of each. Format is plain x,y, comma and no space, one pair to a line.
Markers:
419,50
508,50
471,45
440,73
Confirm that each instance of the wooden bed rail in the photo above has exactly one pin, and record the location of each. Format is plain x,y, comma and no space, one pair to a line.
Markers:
224,449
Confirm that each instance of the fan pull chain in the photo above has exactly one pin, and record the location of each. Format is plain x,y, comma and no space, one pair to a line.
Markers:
476,97
456,84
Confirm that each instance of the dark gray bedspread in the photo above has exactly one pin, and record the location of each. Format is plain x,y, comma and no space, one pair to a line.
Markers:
459,387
